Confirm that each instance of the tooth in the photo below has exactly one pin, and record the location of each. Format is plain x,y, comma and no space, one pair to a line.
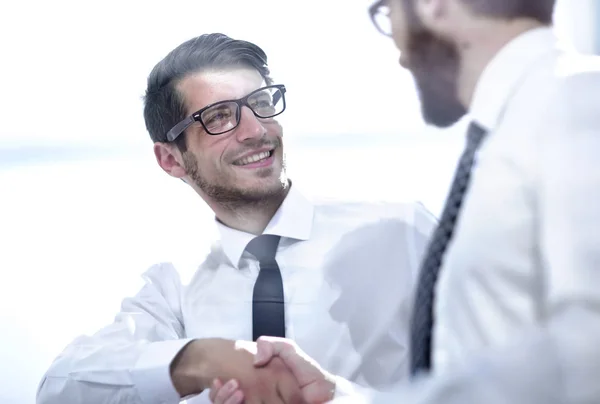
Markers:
254,158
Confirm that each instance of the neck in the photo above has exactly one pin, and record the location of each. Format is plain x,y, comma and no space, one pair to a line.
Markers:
249,217
484,42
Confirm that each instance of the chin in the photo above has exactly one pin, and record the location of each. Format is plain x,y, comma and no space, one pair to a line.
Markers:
272,183
263,192
441,122
442,116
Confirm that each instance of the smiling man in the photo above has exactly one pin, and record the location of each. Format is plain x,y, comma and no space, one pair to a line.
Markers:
336,278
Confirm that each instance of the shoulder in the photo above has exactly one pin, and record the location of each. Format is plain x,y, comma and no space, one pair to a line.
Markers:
158,281
556,98
409,213
181,271
338,207
574,89
562,125
569,123
552,80
160,273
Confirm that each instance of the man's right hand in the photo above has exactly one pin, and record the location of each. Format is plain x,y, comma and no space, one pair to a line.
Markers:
318,385
204,360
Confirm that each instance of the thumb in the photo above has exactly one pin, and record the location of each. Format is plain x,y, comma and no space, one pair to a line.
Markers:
302,367
264,352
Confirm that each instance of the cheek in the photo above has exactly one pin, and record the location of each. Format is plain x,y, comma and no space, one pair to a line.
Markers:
398,26
401,44
273,127
210,151
400,37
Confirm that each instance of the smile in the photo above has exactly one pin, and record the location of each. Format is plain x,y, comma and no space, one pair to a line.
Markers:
254,158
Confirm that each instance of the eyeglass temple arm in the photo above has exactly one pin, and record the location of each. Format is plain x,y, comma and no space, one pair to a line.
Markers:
278,95
179,128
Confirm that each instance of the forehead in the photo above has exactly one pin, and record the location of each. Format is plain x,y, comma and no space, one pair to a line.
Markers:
207,87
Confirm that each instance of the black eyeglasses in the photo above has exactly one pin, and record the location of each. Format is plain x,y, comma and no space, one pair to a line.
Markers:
224,116
380,15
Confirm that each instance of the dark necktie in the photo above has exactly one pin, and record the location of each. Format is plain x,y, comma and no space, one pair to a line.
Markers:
422,319
267,302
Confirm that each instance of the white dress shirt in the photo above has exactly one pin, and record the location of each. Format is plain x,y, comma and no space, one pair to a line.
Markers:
348,272
518,298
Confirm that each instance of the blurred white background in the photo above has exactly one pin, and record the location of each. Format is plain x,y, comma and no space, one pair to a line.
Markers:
84,209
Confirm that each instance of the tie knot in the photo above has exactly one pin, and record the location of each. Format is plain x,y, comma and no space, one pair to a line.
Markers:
263,247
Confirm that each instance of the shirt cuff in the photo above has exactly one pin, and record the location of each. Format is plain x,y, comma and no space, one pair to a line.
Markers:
348,392
151,374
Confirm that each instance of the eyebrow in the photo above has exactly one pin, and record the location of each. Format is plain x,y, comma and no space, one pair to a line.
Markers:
219,106
216,103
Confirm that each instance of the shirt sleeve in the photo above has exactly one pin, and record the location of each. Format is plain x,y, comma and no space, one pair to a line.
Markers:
127,361
557,361
346,391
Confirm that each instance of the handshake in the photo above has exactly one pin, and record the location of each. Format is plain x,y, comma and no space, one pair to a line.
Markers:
272,370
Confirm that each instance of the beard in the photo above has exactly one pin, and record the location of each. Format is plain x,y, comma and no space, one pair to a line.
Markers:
222,191
434,63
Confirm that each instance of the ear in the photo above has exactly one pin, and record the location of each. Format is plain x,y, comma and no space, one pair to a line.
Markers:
169,159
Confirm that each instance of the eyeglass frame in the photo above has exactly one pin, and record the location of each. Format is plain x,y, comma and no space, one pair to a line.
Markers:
179,128
373,11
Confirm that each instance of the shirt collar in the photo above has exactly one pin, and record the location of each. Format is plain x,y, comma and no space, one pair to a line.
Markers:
504,72
293,219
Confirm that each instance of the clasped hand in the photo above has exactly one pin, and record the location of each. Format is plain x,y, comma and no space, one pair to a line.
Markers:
203,361
276,359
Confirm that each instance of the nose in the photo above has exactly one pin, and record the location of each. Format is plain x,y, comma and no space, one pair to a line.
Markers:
249,127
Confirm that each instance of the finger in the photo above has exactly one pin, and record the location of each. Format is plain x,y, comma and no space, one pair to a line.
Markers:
293,357
264,352
226,392
305,369
268,347
236,398
216,385
289,391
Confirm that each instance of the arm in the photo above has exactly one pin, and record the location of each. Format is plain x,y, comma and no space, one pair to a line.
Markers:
142,359
127,361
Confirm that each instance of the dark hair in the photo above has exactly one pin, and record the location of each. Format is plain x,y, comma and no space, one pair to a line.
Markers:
539,10
164,106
